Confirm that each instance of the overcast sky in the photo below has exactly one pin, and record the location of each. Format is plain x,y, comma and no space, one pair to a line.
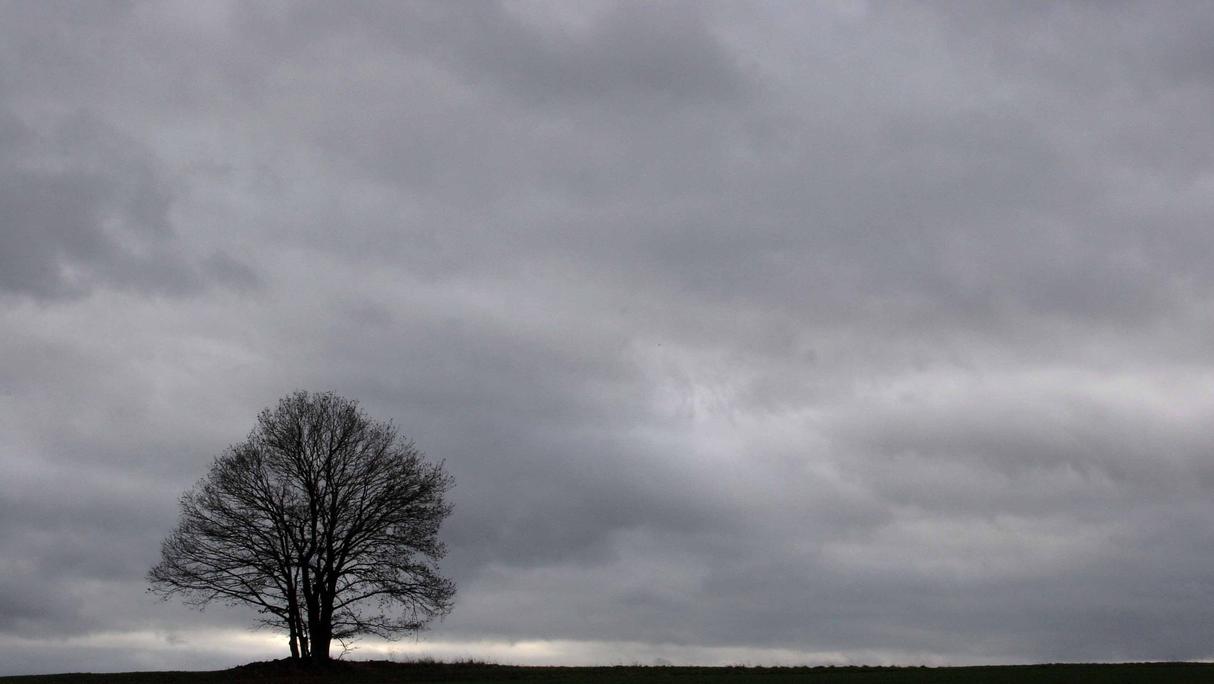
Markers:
751,332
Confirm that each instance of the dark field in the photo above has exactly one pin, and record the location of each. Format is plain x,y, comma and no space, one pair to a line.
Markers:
379,671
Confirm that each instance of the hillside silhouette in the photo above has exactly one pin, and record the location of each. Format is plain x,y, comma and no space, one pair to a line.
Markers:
376,672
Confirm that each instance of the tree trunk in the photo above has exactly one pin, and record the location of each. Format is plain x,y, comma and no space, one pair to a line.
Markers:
322,630
295,624
303,637
320,646
318,643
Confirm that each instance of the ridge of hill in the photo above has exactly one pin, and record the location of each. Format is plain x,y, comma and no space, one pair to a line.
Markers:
377,672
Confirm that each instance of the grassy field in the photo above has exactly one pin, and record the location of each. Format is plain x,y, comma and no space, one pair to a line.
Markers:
469,673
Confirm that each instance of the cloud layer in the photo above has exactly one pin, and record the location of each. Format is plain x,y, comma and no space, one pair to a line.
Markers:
838,332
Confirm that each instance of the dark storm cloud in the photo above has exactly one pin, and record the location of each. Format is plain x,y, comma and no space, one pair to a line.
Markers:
858,331
626,52
85,205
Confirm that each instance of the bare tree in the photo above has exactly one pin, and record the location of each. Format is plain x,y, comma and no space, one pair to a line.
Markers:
324,520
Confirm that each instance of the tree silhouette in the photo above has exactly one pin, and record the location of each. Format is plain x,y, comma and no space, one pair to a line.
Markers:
323,519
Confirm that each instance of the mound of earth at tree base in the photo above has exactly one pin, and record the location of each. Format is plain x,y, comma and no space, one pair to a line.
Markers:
289,670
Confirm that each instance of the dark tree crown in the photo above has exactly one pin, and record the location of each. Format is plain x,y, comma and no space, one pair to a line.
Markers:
323,519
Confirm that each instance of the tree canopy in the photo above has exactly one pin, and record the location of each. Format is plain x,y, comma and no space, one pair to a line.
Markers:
324,520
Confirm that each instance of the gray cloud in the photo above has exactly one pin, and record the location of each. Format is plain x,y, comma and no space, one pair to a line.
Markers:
85,205
857,332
